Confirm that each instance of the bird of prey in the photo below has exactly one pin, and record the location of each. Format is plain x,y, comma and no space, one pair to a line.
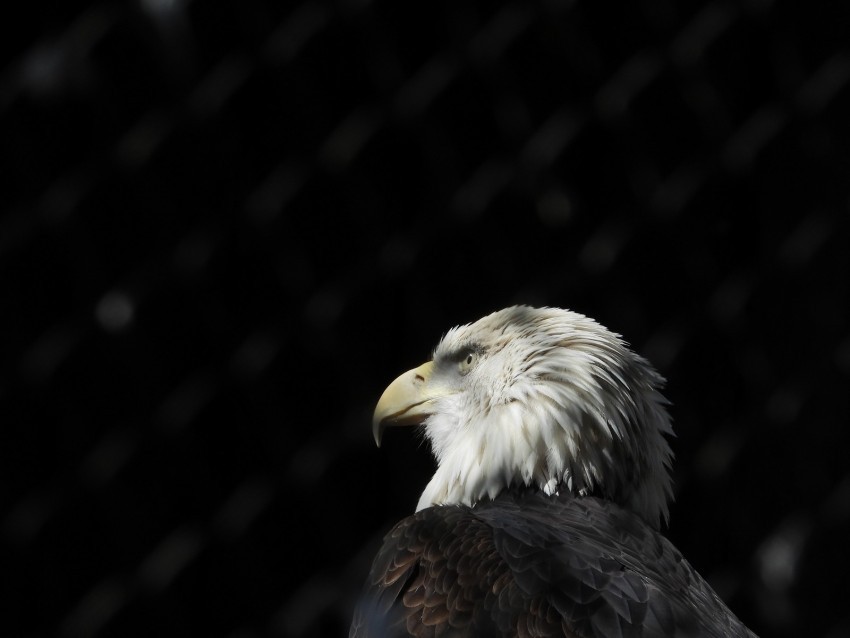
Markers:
553,478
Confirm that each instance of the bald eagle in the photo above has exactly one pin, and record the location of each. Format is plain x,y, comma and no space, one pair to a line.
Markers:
553,478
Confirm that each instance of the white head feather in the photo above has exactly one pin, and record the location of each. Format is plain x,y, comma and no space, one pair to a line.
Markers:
548,398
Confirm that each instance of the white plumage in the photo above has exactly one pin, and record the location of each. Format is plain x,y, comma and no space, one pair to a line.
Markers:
546,397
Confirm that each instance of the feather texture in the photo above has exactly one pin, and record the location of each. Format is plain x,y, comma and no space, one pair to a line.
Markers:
528,564
555,398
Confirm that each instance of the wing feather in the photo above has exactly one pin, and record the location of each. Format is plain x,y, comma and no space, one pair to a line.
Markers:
527,564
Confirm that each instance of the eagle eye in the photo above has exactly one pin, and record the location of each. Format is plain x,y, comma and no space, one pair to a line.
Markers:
467,361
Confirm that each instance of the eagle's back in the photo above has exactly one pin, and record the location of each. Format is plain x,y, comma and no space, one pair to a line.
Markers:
527,564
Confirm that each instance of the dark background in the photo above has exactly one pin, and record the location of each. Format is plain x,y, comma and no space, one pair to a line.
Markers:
227,226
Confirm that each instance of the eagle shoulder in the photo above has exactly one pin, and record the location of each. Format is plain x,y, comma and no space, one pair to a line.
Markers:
528,564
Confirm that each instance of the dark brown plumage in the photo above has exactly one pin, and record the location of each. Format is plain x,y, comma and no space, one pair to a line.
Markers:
527,564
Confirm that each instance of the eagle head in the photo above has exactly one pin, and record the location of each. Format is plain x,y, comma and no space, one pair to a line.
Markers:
537,397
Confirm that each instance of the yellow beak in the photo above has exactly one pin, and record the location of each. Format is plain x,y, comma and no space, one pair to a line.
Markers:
407,400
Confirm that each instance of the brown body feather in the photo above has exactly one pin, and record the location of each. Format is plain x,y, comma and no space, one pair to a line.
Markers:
528,564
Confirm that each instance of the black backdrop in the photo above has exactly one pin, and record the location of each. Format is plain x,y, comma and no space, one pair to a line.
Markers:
227,226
